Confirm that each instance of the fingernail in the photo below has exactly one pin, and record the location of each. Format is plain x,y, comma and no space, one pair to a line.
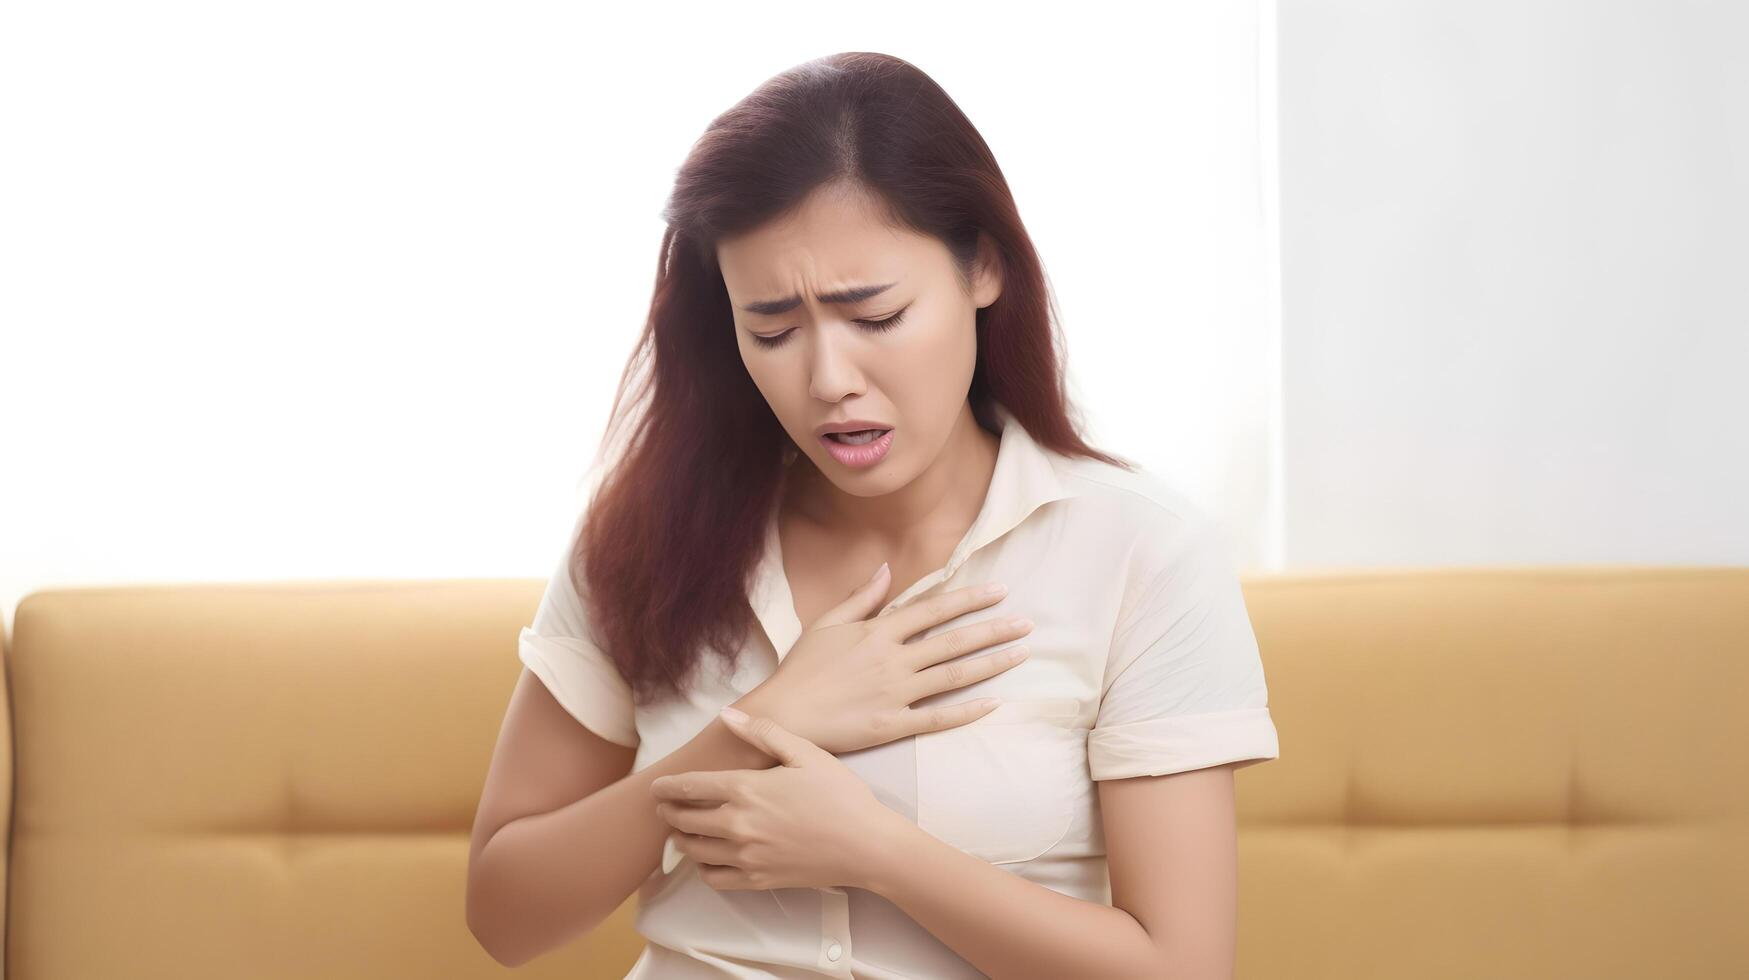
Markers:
995,588
733,715
880,571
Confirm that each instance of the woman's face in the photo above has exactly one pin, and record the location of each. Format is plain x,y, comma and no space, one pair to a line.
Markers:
840,316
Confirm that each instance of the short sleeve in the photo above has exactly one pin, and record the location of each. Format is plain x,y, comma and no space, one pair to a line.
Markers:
560,649
1185,687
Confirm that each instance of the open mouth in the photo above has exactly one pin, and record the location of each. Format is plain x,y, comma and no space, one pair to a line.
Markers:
861,437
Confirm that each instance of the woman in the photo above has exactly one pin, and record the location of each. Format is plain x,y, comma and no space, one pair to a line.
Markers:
843,254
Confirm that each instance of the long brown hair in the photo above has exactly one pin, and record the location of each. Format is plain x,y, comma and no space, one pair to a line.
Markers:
676,525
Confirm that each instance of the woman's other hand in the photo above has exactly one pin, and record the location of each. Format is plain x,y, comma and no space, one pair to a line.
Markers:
808,822
849,681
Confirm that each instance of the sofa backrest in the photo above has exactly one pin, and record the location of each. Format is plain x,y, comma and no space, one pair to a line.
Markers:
262,780
1490,772
1500,773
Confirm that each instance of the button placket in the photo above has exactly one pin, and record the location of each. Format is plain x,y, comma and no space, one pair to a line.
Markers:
834,958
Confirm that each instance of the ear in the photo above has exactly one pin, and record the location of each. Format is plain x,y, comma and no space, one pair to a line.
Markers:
986,272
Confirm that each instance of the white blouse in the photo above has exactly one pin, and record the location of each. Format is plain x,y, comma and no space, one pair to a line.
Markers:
1143,662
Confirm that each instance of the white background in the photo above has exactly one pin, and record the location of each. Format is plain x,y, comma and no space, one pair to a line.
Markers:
343,290
1515,249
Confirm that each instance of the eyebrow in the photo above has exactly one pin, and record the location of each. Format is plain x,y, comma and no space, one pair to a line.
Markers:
854,294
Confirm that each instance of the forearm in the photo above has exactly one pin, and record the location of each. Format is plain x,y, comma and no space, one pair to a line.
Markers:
1006,926
547,878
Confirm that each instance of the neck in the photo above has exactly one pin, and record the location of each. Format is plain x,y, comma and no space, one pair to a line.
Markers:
943,500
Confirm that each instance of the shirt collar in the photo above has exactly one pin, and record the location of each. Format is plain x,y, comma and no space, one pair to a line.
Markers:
1026,478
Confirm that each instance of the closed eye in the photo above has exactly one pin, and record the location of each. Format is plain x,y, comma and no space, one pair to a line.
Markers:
877,326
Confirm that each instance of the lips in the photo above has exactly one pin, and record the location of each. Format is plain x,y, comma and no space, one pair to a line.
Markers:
849,425
857,455
856,437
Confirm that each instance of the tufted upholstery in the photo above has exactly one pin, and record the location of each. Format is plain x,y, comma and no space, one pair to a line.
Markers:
1484,773
1535,773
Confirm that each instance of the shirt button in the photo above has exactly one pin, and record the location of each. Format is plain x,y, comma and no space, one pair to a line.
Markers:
833,951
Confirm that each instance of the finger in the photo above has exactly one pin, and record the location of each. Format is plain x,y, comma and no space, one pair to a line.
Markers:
727,878
939,717
705,822
955,674
707,850
863,601
780,743
962,640
700,785
903,623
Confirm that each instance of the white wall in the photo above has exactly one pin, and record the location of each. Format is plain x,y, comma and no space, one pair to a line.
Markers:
1514,257
342,289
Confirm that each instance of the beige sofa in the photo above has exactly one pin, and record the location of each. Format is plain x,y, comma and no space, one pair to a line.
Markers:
1484,773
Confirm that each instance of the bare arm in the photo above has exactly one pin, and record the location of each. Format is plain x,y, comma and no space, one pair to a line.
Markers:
566,832
1003,924
1171,844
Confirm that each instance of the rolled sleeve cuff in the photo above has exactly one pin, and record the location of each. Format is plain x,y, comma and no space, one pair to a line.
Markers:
584,681
1180,744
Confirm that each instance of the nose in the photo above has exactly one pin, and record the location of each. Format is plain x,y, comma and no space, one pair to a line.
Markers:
834,373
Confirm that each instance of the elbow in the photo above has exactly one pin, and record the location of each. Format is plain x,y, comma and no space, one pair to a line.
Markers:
483,915
495,947
1192,967
503,929
491,950
478,926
